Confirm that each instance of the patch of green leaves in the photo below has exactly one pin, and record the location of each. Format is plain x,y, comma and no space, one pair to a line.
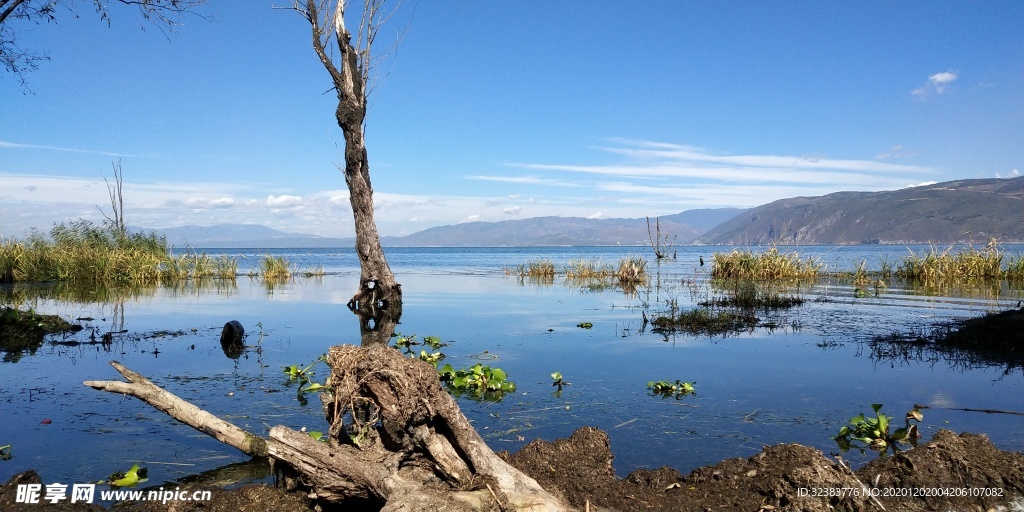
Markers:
556,380
5,452
874,432
666,389
482,382
303,376
585,325
129,478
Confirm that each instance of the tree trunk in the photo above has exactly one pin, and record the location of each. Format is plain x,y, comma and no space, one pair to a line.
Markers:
377,285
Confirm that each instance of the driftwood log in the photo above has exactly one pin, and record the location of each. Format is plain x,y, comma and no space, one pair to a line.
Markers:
396,439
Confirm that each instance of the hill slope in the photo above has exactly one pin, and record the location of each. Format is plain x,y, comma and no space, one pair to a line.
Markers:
542,231
954,211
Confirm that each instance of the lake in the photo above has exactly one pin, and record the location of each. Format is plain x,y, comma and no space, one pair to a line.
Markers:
798,381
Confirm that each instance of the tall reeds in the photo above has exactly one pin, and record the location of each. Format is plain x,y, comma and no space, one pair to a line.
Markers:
85,253
964,264
770,264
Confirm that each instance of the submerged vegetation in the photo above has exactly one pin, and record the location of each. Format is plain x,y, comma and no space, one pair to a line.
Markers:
630,272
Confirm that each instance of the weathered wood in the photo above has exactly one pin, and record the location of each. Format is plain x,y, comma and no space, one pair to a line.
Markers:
416,450
181,410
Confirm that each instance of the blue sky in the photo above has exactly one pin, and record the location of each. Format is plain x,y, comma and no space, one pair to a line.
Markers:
503,110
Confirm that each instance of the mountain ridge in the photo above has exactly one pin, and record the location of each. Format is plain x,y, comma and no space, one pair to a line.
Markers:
969,210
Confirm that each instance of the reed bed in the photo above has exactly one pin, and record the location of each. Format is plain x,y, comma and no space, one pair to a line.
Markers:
770,264
537,269
579,268
85,253
968,263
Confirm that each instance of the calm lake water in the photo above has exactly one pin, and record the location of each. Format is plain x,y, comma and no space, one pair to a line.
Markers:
798,382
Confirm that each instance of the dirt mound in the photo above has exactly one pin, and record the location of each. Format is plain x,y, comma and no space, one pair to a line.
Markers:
933,476
783,477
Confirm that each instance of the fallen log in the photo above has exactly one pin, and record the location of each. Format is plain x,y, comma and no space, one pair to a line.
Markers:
397,439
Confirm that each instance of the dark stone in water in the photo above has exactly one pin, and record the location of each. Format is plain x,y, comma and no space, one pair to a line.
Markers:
231,339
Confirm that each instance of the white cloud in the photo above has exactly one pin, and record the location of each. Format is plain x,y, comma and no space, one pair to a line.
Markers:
1012,174
512,210
936,84
283,201
595,215
471,218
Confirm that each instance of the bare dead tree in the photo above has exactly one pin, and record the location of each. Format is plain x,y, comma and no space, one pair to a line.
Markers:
350,62
17,60
660,251
116,219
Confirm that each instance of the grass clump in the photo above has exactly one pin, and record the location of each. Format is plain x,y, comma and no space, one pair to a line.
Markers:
967,263
632,270
82,252
770,264
276,267
579,268
746,294
537,269
704,321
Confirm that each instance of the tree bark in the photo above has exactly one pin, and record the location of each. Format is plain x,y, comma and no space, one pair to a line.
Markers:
377,285
185,412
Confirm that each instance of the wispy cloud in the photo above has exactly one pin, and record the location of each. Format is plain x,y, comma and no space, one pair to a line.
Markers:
17,145
936,84
687,165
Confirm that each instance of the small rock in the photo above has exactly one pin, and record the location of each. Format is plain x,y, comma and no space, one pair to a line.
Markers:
752,473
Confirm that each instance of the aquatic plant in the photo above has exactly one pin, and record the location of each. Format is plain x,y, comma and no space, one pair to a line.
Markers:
130,478
666,389
632,270
579,268
748,294
276,267
966,263
82,252
5,452
482,381
703,321
539,268
431,357
874,432
770,264
314,271
556,380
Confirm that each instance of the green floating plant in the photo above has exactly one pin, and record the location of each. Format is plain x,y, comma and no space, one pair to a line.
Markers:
874,432
666,389
129,478
481,381
556,380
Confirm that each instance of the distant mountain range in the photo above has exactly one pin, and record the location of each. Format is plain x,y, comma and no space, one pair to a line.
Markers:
539,231
950,212
955,211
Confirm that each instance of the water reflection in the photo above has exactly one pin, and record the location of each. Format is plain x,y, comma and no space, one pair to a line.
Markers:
799,368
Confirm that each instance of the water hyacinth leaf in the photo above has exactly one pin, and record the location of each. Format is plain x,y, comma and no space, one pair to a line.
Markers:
558,376
498,375
316,386
915,415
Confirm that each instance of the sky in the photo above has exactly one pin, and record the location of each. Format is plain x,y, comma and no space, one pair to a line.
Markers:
495,111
